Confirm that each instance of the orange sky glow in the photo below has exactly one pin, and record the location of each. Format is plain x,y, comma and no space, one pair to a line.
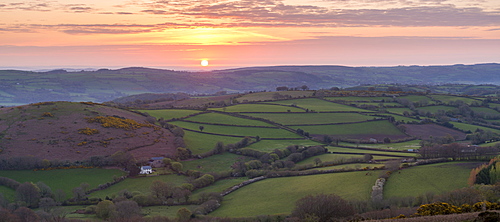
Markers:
179,34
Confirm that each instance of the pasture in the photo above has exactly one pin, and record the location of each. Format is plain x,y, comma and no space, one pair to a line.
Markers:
258,108
227,119
218,186
64,179
271,145
170,113
200,143
318,105
373,152
449,98
435,178
139,184
399,111
263,96
215,163
417,98
472,128
412,144
361,98
238,130
375,129
435,109
278,195
312,118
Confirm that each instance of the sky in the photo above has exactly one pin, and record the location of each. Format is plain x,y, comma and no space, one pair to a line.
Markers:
178,34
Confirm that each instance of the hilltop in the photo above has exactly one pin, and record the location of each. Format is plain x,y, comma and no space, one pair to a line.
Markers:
78,131
22,87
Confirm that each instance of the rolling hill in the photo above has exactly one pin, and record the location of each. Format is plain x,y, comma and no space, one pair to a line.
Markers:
22,87
78,131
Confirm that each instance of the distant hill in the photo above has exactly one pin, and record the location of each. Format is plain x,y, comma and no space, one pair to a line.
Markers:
22,87
78,131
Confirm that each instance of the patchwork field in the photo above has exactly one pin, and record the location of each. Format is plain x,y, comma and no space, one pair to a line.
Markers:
258,108
271,145
312,118
170,113
200,143
219,118
373,129
238,130
435,178
319,105
278,195
65,180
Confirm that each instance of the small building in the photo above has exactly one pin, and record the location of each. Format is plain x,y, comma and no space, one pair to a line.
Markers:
146,170
157,162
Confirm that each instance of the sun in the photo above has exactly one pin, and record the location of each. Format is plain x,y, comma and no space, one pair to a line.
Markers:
204,62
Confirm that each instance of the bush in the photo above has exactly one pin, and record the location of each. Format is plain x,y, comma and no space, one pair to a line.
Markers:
322,207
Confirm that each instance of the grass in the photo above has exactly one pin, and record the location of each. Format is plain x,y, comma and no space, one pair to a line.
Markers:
140,184
200,143
373,128
258,108
399,111
436,178
413,144
262,96
226,119
215,163
373,152
170,113
238,130
484,110
218,186
472,128
312,118
65,180
319,105
415,98
278,195
435,109
165,211
271,145
353,166
360,98
448,98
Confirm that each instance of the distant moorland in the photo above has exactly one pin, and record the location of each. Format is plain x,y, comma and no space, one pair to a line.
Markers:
22,87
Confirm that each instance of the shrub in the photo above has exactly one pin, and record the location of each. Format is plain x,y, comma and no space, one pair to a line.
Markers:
322,207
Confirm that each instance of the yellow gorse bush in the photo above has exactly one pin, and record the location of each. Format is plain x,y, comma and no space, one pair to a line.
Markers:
115,122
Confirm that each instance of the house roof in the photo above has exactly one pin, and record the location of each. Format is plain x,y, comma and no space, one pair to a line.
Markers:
146,167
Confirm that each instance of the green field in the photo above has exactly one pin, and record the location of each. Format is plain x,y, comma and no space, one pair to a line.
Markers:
435,178
140,184
218,186
484,110
200,143
361,98
165,211
373,152
399,111
413,144
415,98
278,195
215,163
262,96
170,113
65,180
435,109
384,128
226,119
258,108
353,166
473,128
312,118
319,105
271,145
238,130
448,98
